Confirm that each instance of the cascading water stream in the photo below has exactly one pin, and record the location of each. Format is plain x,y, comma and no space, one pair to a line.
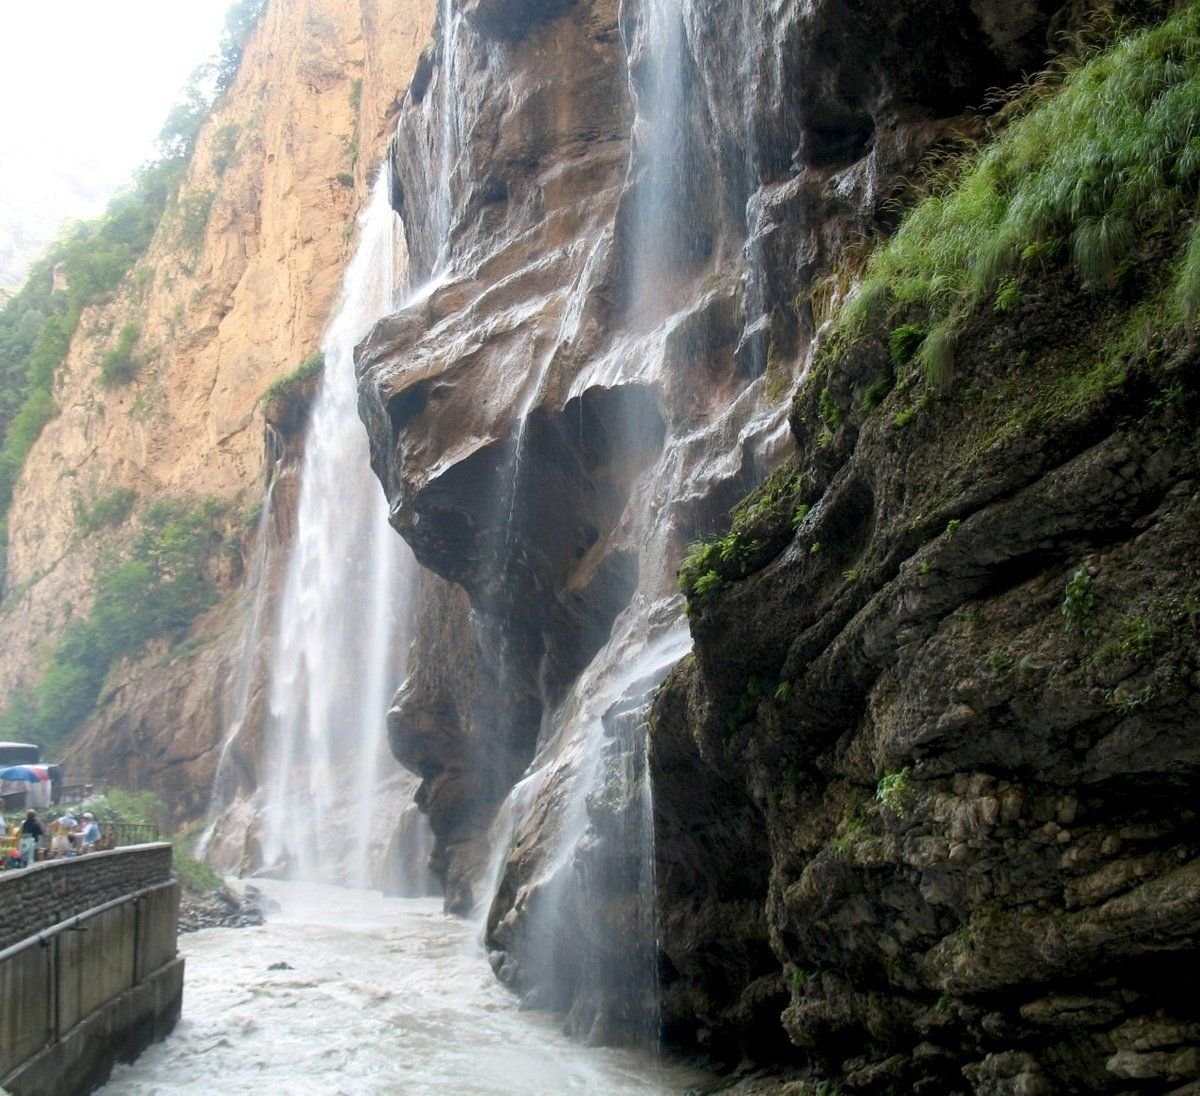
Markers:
659,140
450,137
342,623
226,780
597,872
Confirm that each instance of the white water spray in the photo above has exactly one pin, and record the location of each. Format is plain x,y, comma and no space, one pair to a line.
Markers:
342,624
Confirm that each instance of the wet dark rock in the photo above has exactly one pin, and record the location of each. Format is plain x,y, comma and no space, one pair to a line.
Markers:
223,908
1011,895
1002,914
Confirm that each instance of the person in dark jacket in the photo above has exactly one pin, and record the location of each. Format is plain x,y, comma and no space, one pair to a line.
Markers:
31,830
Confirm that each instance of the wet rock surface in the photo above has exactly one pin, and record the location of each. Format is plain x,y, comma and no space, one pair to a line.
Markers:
956,705
912,830
560,376
222,908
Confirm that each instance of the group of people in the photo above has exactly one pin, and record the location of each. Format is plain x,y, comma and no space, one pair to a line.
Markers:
68,836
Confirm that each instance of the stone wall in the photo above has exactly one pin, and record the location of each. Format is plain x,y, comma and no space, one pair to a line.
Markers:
37,898
95,977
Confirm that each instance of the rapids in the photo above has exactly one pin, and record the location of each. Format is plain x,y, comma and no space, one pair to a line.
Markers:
378,995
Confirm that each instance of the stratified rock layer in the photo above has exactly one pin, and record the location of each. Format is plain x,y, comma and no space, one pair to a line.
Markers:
955,706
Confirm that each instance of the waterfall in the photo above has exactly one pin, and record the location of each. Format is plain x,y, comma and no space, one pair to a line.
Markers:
659,153
229,778
588,919
562,413
342,624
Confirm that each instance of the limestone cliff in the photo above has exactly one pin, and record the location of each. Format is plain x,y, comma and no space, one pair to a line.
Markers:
233,295
921,792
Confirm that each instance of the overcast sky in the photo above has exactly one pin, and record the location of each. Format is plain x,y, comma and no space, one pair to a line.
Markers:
85,86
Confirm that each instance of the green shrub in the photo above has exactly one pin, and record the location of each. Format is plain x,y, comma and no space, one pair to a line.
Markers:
195,208
140,808
831,414
109,510
895,791
1079,602
224,147
119,365
194,875
159,587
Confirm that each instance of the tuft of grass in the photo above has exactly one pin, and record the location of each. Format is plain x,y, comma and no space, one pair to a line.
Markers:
896,792
1110,156
904,342
1187,280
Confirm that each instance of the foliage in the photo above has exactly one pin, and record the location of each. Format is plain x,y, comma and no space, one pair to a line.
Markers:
140,808
224,147
90,259
193,874
108,510
895,791
119,365
157,588
1078,603
240,21
755,527
1110,157
181,128
831,414
904,342
286,387
37,324
195,207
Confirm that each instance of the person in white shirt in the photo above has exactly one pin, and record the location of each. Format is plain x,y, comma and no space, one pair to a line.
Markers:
89,832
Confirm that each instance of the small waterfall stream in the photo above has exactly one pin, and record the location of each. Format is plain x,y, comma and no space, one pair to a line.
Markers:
341,633
588,918
229,779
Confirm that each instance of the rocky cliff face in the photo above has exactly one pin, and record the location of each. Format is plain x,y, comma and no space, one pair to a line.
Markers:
910,832
233,295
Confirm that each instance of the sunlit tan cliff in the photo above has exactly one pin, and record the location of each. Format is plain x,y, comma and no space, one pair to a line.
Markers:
233,295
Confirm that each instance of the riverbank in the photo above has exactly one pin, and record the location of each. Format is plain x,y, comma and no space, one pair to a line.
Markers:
222,907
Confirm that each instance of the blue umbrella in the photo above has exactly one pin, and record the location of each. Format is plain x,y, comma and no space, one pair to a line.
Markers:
31,774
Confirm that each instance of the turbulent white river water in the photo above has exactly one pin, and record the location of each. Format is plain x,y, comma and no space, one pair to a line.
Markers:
378,995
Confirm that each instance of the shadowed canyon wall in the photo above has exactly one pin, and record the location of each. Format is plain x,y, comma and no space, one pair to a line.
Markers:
907,835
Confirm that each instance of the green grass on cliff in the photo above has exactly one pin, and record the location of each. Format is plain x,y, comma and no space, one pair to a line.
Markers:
158,586
1083,176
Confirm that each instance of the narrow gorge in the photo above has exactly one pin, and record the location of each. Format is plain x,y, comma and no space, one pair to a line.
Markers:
786,643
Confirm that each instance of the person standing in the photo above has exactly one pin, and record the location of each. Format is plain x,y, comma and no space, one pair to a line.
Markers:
31,830
89,832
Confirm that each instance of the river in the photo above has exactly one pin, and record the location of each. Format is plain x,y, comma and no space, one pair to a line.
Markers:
347,992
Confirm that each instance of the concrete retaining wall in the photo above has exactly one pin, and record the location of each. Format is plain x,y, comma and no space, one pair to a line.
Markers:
93,988
35,898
